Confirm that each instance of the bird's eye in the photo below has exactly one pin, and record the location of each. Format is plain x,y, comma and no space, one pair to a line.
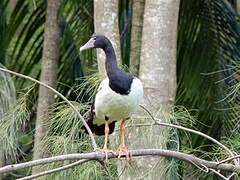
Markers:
94,38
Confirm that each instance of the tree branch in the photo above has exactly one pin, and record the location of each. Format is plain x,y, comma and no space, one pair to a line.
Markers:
229,159
198,133
158,122
60,95
211,165
55,170
222,176
140,152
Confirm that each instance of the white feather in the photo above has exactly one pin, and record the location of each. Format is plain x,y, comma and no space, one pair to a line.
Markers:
116,106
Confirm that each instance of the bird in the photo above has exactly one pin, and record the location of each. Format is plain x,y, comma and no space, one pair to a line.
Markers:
117,98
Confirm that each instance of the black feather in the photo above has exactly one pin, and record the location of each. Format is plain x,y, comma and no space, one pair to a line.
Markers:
121,82
98,130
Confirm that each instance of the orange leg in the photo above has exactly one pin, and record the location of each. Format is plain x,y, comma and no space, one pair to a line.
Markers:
106,131
122,150
105,149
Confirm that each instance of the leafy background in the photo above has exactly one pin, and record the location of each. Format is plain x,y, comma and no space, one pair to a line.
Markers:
207,76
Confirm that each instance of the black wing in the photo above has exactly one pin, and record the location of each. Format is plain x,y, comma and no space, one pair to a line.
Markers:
98,130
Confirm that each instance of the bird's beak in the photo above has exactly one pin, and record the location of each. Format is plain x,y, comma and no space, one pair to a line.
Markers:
88,45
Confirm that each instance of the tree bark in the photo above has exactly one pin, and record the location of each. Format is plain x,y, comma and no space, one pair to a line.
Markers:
158,57
158,74
198,162
136,35
238,6
48,76
12,4
106,23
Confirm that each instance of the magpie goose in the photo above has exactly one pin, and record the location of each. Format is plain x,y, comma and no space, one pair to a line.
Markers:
117,97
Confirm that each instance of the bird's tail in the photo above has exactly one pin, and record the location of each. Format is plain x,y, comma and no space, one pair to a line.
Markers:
98,130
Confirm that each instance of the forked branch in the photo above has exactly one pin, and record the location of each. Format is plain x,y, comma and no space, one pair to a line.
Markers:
61,96
135,153
198,162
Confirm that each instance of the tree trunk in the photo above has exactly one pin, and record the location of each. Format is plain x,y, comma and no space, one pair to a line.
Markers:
158,55
106,23
48,76
238,6
12,4
136,35
158,74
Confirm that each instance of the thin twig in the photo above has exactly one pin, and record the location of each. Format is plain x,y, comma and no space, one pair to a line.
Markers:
139,125
189,130
60,95
140,152
233,174
198,133
218,174
229,159
149,113
222,176
157,122
55,170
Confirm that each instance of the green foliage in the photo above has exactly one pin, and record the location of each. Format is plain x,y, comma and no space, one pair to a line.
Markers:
14,115
207,75
23,30
207,52
66,137
208,64
2,30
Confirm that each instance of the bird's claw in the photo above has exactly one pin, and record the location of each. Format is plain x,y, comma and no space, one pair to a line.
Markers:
106,151
122,151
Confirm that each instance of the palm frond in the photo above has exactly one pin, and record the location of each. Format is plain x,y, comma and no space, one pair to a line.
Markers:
13,114
125,16
208,65
3,22
211,32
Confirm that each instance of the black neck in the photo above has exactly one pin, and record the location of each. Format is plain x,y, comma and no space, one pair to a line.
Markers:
111,62
119,81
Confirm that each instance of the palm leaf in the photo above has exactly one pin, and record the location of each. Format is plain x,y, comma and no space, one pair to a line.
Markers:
2,30
207,43
125,16
208,58
9,123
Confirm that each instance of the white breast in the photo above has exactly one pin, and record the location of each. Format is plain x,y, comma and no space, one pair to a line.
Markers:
116,106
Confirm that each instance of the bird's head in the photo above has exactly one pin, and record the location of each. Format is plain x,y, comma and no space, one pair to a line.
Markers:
96,41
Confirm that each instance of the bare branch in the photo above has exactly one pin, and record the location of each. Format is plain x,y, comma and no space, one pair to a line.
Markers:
60,95
222,176
158,122
141,152
213,166
229,159
55,170
198,133
149,113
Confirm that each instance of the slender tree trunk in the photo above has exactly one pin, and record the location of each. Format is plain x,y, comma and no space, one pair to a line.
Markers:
48,76
158,74
136,35
238,6
158,57
12,4
106,23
